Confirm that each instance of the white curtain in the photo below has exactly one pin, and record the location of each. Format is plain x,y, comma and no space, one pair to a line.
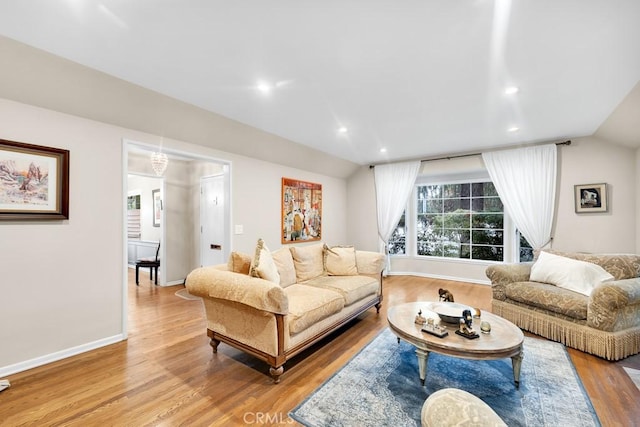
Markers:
394,183
525,179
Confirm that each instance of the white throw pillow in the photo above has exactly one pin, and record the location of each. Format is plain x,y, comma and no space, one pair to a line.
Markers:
567,273
263,265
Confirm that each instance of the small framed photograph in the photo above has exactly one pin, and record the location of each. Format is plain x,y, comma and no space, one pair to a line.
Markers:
34,182
591,198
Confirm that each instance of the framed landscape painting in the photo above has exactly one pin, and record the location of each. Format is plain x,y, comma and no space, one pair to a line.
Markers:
591,198
34,182
301,211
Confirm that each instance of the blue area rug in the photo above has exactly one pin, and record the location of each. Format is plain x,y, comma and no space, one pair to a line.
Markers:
380,386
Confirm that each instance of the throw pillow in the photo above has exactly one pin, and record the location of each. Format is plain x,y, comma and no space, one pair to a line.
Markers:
239,262
340,260
284,263
308,261
567,273
263,265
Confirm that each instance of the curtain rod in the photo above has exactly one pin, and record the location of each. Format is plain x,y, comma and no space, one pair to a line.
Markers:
568,142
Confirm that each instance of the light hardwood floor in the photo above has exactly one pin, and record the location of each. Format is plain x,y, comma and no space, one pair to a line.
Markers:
165,374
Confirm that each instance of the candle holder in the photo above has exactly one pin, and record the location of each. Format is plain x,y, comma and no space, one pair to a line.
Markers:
485,327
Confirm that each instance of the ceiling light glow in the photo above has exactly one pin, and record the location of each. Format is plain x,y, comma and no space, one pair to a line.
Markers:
383,150
342,130
264,87
514,129
511,90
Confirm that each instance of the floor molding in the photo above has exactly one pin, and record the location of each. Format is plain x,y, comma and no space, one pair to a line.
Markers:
59,355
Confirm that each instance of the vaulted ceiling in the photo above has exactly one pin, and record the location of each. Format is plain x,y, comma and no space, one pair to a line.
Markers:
367,81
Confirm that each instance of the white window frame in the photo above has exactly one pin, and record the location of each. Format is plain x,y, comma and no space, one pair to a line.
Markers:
510,243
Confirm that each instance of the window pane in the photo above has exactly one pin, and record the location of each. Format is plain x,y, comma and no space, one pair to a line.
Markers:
430,206
526,251
397,241
454,220
489,253
488,221
428,221
488,237
484,189
429,247
453,205
450,191
429,192
487,204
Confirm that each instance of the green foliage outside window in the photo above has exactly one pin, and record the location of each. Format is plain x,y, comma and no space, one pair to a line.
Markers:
460,221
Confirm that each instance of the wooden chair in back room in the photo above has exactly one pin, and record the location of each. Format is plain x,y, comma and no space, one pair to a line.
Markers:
152,263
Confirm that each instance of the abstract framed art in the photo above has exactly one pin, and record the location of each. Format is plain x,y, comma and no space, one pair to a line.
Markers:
301,211
591,198
34,182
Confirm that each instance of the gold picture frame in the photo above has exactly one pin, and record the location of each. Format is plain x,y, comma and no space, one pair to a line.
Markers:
301,203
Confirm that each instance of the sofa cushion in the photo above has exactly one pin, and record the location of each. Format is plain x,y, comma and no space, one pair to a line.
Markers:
262,265
340,260
549,297
352,288
308,261
575,275
308,305
621,266
239,262
284,263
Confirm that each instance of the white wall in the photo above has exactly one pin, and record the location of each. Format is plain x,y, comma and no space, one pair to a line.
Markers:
61,281
585,161
58,305
144,185
591,161
638,200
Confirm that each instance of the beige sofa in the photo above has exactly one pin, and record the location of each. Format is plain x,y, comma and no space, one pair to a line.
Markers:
604,320
276,304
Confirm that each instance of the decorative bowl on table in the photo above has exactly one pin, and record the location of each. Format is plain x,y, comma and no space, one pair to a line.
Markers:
449,312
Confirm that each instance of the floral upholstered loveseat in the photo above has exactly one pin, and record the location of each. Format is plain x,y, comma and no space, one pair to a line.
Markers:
598,313
276,304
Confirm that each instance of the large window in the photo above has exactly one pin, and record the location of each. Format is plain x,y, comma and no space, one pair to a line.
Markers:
460,221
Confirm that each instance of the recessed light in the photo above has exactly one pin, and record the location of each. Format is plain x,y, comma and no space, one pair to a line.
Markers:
511,90
342,129
264,87
513,129
383,150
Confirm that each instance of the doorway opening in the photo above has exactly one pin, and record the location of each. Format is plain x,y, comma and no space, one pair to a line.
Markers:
171,212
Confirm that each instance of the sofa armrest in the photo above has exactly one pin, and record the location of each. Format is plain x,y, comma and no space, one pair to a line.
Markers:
501,275
369,262
614,305
214,282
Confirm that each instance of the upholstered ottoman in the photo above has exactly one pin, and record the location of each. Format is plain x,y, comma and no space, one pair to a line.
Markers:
453,407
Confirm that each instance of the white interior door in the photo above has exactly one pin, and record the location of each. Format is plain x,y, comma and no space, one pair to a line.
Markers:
212,220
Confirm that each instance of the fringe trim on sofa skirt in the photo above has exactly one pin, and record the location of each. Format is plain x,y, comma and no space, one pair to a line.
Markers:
608,345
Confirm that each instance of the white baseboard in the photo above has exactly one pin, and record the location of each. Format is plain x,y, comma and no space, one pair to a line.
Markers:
59,355
436,276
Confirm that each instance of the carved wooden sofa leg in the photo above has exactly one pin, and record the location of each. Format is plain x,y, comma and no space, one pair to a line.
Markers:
214,344
275,373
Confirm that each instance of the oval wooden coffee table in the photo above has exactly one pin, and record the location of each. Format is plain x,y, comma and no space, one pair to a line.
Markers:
504,340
